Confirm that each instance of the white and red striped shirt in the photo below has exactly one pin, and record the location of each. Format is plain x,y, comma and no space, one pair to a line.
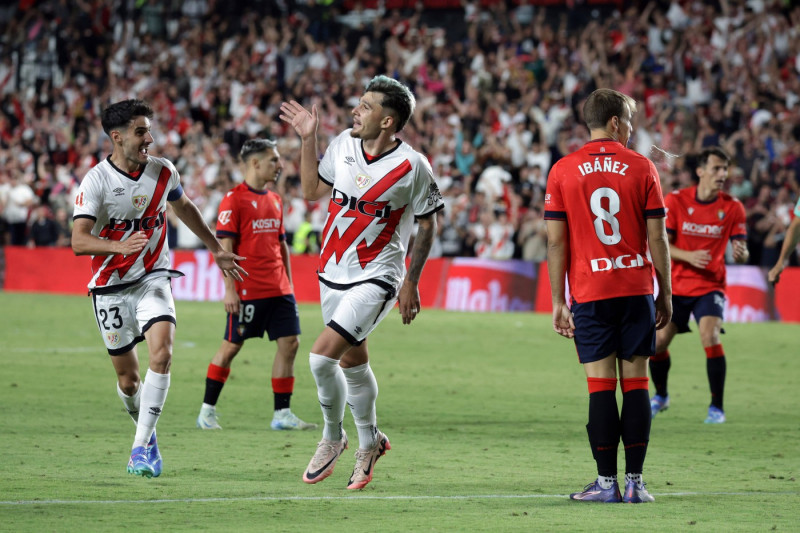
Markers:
121,204
371,210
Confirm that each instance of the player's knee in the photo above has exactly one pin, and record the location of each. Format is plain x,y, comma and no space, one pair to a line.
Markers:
287,348
161,359
129,383
710,339
227,352
291,345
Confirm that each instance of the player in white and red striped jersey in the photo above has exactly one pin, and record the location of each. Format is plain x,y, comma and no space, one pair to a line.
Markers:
120,220
377,186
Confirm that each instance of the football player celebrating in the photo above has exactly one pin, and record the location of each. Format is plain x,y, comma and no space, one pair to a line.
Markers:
377,185
700,221
250,223
120,220
603,205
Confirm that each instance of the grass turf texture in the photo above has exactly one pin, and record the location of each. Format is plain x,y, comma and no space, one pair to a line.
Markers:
485,412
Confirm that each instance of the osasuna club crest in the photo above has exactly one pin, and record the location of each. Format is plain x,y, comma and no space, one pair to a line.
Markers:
362,180
224,217
139,202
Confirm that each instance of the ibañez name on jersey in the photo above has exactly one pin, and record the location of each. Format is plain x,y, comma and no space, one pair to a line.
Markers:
603,164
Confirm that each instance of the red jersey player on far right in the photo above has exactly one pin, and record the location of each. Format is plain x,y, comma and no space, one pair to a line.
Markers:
700,221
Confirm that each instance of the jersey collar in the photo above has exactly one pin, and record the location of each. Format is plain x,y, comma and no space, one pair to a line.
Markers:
129,176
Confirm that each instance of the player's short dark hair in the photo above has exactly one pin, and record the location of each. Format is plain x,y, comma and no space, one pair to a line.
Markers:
121,114
603,104
252,147
708,151
396,97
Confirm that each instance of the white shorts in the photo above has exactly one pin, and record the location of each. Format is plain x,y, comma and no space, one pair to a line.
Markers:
355,311
123,317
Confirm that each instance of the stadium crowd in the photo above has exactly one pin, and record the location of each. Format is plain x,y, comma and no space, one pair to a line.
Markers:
499,87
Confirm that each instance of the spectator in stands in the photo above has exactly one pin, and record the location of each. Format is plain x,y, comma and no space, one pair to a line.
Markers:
43,229
218,79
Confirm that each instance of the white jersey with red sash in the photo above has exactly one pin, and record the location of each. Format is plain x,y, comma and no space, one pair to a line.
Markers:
372,208
121,204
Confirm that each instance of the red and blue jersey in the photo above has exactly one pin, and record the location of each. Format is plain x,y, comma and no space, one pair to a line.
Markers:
605,193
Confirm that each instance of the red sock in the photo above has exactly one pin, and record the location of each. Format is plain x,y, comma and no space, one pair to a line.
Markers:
218,373
283,385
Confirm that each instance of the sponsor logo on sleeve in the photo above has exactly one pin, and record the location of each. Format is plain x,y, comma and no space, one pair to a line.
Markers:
224,217
434,195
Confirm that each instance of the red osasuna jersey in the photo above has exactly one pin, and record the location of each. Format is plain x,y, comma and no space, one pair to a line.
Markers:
696,225
254,219
605,193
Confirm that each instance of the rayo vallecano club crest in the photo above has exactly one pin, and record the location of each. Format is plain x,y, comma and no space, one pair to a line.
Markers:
139,201
362,180
113,338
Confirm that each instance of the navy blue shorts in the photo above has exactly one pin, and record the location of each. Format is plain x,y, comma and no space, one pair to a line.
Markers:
277,316
711,304
625,325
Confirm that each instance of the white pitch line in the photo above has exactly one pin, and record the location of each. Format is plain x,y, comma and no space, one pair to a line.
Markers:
357,498
56,349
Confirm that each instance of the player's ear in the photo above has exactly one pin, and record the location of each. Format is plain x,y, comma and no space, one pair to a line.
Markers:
388,121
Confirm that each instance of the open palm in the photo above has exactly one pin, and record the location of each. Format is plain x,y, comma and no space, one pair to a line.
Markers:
305,123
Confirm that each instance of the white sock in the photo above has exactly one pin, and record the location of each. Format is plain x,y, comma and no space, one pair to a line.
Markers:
362,391
636,478
606,481
131,402
206,408
154,393
331,391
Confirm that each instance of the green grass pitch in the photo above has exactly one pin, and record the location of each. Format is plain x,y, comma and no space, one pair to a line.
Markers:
485,412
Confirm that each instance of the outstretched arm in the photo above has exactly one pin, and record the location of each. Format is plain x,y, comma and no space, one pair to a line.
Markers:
190,215
305,123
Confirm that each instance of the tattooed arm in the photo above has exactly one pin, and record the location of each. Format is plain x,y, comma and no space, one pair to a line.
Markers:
409,292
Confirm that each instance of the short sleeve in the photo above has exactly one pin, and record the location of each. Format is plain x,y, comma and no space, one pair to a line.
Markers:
553,200
327,167
89,198
654,203
740,221
427,197
228,218
671,207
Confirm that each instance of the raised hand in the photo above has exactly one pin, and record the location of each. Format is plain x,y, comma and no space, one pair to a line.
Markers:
305,123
